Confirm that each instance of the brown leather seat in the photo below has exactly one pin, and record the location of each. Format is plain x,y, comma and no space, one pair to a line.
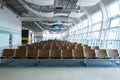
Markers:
32,53
55,53
8,53
89,53
101,53
78,53
94,47
43,53
67,53
113,53
78,46
19,53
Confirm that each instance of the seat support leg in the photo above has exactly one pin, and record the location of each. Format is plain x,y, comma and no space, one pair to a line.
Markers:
84,63
116,62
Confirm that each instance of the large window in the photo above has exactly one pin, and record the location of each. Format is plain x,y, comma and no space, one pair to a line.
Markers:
53,35
113,9
85,23
113,31
95,29
115,22
78,33
112,38
84,31
97,17
97,34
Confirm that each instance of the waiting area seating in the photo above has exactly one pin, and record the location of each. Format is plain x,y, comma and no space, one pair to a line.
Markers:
60,50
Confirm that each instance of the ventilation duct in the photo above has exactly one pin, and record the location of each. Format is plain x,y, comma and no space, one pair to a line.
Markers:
50,14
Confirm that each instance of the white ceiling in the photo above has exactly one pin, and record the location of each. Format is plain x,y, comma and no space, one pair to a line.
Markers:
54,10
41,2
76,14
87,2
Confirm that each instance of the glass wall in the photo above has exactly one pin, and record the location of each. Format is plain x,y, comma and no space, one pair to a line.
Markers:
97,34
51,35
79,32
112,40
95,29
113,9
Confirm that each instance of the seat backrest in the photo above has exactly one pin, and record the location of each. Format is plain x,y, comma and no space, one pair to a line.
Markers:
70,47
78,53
89,53
113,52
101,53
30,47
22,48
8,52
43,53
55,53
94,47
54,47
87,47
78,46
63,47
38,47
32,53
84,45
20,53
46,47
67,53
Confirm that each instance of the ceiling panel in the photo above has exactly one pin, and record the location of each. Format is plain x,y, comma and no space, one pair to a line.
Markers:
59,10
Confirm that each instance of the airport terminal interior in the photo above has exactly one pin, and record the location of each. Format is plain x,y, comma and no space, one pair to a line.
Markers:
59,39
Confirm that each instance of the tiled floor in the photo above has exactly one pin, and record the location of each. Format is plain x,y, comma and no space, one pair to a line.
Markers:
59,73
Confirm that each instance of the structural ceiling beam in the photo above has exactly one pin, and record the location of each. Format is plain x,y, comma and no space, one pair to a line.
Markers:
45,19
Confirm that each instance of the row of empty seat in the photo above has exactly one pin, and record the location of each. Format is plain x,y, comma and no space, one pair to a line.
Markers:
57,53
59,49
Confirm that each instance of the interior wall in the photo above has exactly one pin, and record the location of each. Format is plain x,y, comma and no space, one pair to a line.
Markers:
9,24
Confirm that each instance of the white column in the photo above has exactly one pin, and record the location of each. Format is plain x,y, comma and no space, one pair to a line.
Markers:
105,22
